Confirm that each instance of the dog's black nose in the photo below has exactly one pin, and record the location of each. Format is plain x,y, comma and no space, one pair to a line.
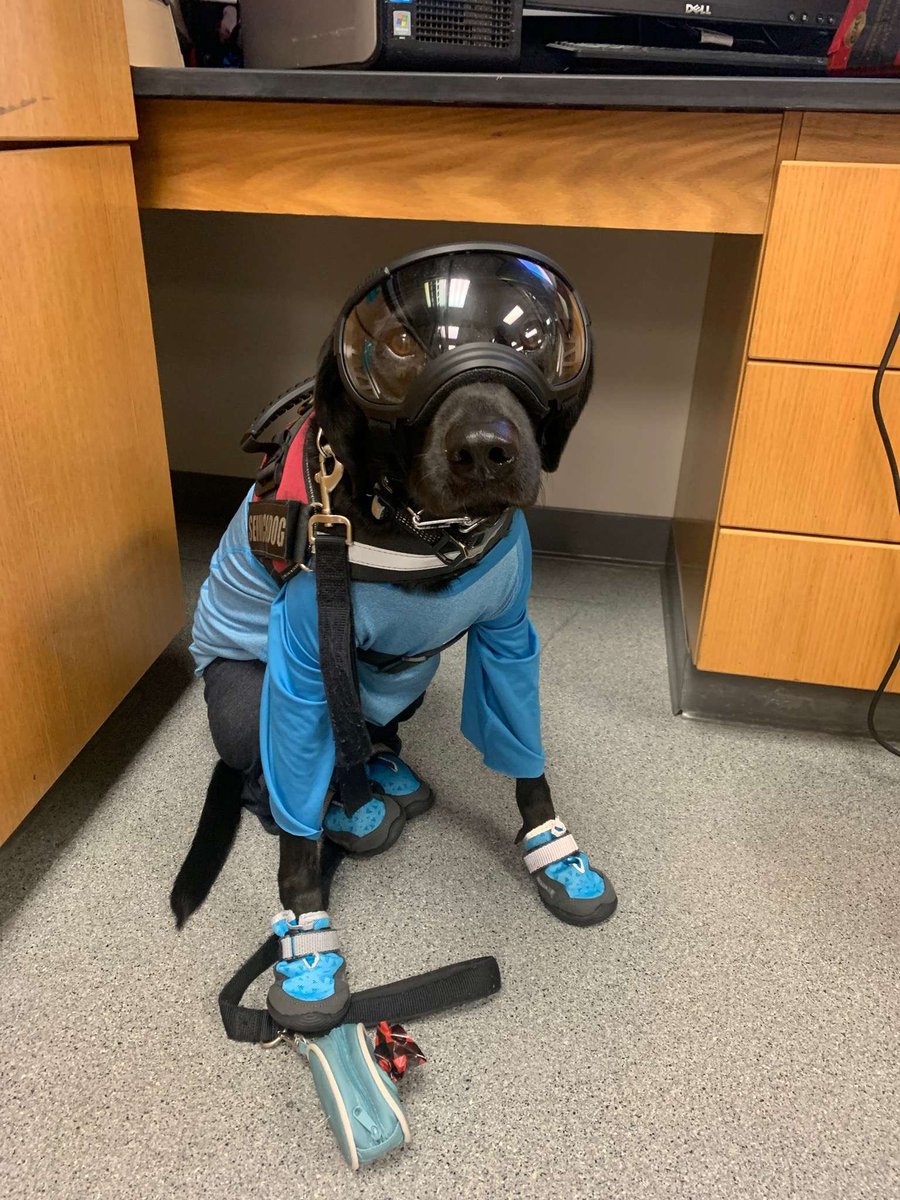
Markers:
481,451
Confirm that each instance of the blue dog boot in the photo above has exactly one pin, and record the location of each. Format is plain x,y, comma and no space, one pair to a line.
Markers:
370,830
395,778
310,993
567,884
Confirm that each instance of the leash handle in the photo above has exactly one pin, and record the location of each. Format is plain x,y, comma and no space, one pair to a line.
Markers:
418,996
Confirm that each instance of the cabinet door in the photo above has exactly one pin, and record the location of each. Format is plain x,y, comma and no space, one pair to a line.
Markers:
819,610
806,455
64,72
829,290
89,576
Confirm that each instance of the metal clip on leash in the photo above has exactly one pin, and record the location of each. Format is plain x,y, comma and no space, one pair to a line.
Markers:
284,1037
327,480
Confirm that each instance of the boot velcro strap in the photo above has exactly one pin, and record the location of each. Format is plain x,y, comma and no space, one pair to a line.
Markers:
313,941
551,852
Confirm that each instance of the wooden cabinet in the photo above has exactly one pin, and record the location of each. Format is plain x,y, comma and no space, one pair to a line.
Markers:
799,560
806,455
64,72
829,290
814,609
89,576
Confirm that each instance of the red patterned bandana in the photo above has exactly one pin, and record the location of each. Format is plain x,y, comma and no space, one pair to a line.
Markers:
395,1050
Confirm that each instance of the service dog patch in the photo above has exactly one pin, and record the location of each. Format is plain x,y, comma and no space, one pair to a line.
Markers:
272,527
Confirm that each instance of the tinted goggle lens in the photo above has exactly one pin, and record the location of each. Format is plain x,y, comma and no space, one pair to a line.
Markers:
434,306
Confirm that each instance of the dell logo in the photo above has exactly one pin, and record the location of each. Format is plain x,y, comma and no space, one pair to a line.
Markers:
697,10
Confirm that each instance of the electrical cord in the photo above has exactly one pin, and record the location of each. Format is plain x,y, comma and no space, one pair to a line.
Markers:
895,476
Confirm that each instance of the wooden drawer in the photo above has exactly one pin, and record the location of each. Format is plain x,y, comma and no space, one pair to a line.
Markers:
830,284
811,609
90,588
610,169
806,455
64,72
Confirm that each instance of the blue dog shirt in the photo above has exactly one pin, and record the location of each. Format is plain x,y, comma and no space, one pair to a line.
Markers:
243,614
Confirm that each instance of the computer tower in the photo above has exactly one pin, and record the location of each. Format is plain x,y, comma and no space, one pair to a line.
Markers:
383,34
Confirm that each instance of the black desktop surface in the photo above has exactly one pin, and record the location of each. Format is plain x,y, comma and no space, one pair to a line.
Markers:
569,90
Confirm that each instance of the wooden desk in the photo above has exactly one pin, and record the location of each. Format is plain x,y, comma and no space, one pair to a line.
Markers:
794,178
789,557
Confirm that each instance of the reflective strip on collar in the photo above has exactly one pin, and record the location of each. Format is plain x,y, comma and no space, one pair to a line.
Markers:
396,560
379,558
318,941
550,852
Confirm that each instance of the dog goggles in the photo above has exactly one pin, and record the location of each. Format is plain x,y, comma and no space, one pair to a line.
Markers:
438,319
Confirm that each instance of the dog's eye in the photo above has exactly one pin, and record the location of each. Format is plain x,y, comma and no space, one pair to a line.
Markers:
401,344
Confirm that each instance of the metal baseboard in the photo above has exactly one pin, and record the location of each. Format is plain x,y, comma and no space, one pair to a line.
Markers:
601,536
745,700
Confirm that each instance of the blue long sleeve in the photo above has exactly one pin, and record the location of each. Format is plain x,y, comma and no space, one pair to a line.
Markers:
501,707
501,714
296,741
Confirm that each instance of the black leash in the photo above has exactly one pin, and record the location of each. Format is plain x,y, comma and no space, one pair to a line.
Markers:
419,996
337,656
330,535
406,1000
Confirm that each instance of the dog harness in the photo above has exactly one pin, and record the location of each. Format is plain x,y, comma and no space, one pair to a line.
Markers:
285,501
285,526
329,661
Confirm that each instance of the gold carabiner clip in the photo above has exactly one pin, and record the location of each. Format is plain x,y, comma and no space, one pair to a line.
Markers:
327,481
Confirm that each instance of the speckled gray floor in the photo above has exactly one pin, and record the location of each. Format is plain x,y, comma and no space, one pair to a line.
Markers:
733,1032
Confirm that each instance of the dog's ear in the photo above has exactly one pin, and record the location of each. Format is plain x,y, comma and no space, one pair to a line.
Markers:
557,427
342,424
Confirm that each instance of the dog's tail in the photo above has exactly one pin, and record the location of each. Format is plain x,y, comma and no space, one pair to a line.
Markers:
212,842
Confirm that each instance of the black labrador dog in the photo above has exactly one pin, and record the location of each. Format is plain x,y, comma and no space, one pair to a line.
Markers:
470,457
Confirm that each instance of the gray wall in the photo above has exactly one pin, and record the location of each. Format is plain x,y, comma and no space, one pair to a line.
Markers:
241,305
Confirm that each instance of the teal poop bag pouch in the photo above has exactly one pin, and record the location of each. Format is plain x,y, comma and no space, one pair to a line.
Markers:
359,1099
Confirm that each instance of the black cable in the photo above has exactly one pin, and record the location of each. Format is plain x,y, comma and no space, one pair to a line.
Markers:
895,476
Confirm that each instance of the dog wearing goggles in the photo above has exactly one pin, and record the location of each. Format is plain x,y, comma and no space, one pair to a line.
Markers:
452,379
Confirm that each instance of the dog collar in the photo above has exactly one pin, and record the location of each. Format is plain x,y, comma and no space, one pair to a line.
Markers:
289,497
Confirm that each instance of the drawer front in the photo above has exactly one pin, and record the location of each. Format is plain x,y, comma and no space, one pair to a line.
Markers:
829,289
807,457
64,73
810,609
610,169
